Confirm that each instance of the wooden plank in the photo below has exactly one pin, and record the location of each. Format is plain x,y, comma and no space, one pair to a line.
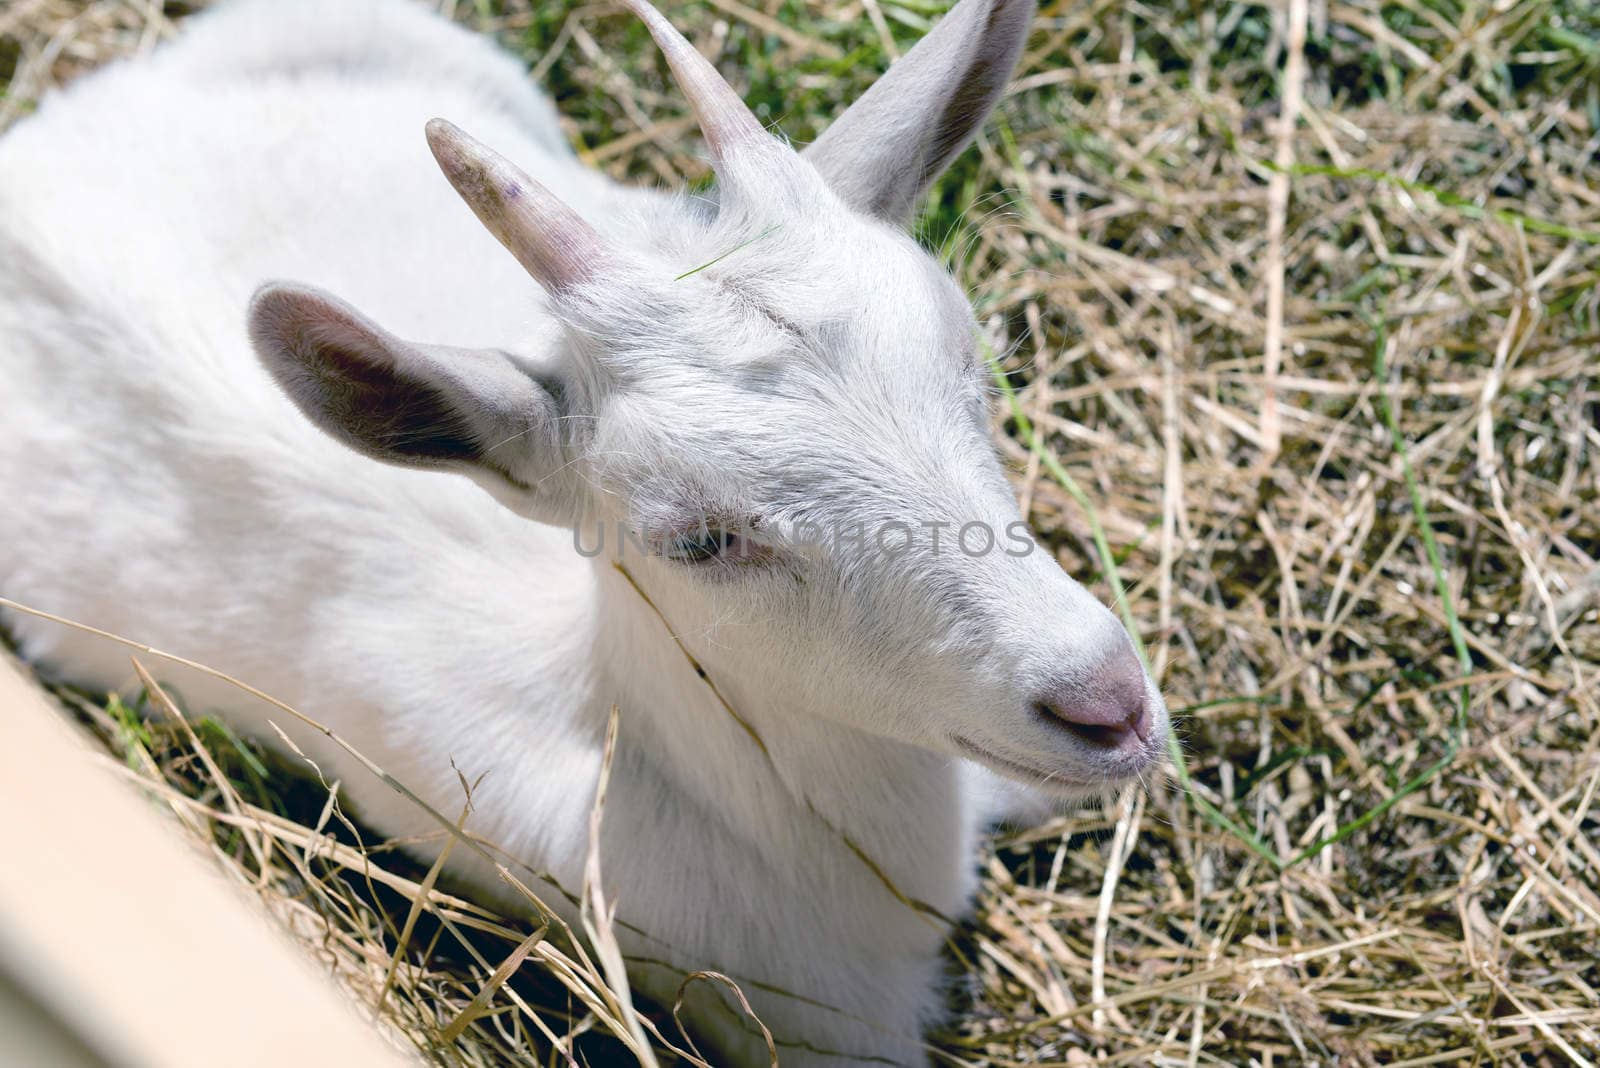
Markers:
130,939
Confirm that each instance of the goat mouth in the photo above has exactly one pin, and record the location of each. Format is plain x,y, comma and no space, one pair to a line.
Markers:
1034,775
1008,767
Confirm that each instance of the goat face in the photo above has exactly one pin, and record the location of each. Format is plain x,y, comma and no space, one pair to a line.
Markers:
800,439
783,396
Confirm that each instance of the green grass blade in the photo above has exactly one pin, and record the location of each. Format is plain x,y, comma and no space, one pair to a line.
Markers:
1458,636
1460,203
1034,438
737,248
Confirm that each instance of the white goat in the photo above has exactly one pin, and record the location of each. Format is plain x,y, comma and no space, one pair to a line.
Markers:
726,376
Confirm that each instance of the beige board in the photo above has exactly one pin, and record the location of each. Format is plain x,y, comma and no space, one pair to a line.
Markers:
120,944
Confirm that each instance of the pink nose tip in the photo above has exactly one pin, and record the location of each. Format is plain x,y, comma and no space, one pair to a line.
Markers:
1108,707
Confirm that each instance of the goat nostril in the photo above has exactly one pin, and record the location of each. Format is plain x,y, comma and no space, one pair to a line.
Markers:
1096,731
1100,728
1107,708
1139,721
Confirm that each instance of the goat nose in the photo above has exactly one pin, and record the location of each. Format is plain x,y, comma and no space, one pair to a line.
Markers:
1108,707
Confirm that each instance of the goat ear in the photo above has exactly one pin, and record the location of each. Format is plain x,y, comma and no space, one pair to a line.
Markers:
889,146
477,411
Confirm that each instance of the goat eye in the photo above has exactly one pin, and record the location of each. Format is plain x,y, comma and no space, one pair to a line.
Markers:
699,546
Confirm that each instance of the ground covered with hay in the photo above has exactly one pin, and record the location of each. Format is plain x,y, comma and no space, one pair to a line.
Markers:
1297,333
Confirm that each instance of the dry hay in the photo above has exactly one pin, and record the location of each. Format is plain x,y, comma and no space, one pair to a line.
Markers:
1192,300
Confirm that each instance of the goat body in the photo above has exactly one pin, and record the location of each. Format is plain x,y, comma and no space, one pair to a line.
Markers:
162,482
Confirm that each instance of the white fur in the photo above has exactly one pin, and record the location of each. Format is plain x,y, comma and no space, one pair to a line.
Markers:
158,484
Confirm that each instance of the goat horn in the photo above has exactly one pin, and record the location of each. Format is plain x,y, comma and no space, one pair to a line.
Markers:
722,114
548,238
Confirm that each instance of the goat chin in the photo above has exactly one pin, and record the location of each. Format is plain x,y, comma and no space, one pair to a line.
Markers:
266,478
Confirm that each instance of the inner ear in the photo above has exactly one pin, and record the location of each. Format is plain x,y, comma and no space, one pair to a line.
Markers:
397,414
479,411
